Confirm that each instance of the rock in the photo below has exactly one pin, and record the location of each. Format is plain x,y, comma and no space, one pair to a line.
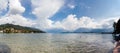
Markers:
4,49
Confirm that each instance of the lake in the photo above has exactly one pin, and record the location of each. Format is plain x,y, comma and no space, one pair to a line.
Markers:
56,43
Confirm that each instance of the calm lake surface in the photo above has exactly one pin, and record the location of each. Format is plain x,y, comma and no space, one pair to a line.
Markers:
57,43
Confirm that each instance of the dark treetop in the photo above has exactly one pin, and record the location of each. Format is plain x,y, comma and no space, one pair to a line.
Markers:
116,27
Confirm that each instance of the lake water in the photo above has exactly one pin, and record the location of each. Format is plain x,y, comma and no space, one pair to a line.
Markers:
56,43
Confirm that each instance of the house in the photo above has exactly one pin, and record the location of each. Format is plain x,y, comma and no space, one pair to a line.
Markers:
1,31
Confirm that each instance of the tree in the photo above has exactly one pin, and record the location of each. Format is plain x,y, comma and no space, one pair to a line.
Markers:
116,27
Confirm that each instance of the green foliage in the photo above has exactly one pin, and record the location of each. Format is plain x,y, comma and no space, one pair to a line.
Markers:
116,27
10,28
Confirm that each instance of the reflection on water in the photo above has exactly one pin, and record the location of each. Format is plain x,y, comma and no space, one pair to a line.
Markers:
57,43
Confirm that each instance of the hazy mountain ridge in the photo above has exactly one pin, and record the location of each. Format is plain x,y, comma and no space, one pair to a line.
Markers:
102,30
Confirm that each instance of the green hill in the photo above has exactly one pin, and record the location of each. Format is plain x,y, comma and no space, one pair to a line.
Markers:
10,28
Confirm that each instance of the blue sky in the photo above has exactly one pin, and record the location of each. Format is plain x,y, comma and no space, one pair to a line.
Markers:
57,14
90,8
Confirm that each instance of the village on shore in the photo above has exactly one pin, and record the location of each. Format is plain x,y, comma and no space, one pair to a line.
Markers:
10,28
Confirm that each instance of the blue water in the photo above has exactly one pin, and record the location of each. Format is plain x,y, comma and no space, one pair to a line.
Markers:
57,43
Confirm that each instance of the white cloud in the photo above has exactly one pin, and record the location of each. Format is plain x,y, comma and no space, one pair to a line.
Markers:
17,20
72,23
15,7
44,9
108,22
71,6
14,14
44,24
3,5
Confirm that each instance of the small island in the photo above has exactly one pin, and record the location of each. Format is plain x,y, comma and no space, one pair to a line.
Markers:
11,28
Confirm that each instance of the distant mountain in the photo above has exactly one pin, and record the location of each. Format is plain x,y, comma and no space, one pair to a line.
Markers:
102,30
56,30
83,30
88,30
11,28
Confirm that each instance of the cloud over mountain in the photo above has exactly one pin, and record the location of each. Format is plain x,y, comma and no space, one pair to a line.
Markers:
17,20
14,14
71,23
